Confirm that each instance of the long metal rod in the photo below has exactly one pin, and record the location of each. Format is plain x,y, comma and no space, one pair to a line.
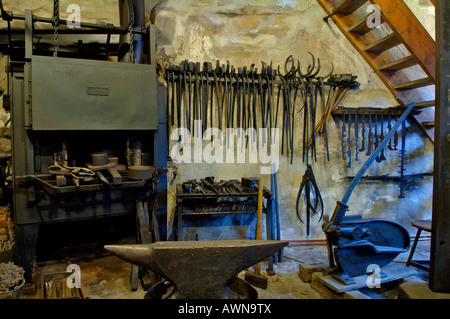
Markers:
108,28
309,242
273,81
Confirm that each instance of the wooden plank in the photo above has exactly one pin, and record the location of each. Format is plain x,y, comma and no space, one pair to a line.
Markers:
411,32
383,44
305,271
393,272
400,64
348,6
439,275
424,104
414,84
317,283
361,27
355,294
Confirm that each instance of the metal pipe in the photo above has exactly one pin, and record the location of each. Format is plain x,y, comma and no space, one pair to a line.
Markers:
138,23
294,82
107,28
307,242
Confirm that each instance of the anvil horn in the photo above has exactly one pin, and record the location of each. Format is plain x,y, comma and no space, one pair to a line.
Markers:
141,255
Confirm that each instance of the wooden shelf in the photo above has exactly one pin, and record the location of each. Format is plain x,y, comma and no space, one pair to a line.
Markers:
187,203
48,183
209,194
394,111
193,213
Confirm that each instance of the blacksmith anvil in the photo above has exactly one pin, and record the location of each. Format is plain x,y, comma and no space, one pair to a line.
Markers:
198,269
360,243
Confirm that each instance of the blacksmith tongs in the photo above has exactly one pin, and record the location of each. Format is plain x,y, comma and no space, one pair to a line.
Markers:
313,198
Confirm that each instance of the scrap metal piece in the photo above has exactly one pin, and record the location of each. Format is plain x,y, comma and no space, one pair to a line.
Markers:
343,136
363,135
140,172
349,140
198,269
115,175
381,156
99,159
102,178
356,136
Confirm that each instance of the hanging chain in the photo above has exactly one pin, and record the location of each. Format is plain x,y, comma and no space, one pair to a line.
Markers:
130,27
56,24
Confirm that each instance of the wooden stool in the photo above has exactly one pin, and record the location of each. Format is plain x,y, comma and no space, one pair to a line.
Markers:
420,225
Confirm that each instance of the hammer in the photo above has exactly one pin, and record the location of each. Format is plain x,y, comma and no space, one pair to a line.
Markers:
256,279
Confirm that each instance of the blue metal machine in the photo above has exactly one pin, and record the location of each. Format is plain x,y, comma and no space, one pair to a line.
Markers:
358,243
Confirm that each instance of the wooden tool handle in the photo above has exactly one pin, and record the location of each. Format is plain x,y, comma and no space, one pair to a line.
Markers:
259,217
258,220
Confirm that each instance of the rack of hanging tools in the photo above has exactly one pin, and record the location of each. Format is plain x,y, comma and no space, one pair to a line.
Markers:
224,96
374,123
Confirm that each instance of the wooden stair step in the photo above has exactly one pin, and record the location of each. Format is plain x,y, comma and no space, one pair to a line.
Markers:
400,64
424,104
414,84
428,124
403,22
361,26
420,105
348,6
383,44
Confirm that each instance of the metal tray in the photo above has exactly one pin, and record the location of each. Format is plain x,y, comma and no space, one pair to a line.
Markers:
48,183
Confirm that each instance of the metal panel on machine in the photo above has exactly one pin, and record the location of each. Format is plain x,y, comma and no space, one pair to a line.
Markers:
78,94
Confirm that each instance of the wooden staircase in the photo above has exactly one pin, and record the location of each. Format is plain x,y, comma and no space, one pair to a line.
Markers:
392,51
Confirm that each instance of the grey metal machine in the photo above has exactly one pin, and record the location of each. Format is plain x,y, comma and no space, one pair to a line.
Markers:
76,107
